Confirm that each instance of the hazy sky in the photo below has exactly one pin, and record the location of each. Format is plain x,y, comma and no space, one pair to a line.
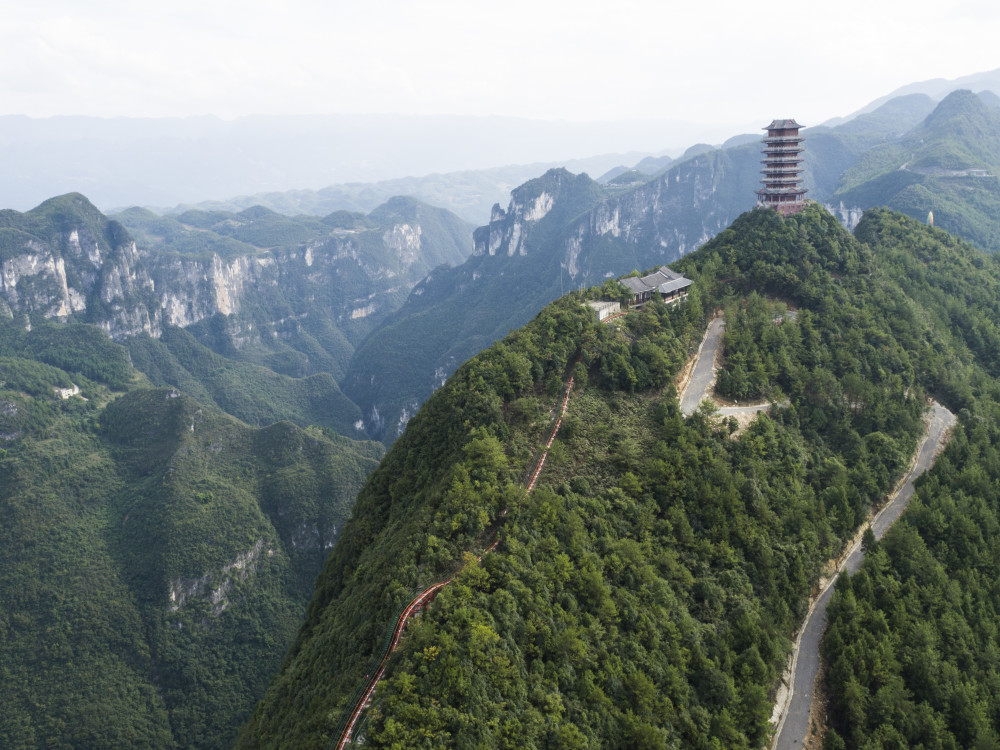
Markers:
711,61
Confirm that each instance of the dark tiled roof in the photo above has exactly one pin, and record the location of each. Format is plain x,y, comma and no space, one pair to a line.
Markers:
665,280
781,190
636,285
673,286
783,125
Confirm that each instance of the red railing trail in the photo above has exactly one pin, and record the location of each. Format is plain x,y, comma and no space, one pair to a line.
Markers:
424,597
555,429
428,594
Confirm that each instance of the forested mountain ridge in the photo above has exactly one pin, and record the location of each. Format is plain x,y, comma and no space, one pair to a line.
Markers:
157,555
912,642
645,594
579,237
138,272
948,165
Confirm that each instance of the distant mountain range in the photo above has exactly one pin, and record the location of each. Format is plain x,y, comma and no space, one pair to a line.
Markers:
353,319
164,162
935,88
320,164
470,194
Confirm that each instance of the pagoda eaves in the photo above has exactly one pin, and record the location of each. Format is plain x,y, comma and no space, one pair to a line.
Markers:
782,175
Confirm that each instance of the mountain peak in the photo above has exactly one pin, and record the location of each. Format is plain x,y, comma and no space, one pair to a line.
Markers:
398,207
558,193
76,200
71,207
551,181
958,104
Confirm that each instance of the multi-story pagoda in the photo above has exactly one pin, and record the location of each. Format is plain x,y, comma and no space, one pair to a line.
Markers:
782,183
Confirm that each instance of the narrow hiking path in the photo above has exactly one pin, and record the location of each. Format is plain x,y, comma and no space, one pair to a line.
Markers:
426,596
795,721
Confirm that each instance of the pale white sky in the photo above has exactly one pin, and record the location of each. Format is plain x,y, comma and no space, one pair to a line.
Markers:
711,61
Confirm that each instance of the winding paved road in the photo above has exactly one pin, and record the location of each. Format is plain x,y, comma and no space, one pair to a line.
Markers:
703,376
700,386
793,729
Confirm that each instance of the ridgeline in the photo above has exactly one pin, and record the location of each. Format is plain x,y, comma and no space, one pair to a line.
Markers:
645,594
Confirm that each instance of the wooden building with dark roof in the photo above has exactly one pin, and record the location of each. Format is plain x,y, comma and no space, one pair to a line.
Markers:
670,285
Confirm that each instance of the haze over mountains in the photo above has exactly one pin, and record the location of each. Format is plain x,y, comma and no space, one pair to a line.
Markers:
471,194
936,89
278,161
124,162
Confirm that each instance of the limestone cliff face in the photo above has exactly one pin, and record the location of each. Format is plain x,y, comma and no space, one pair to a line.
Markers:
529,203
125,288
35,280
848,216
190,290
116,287
69,260
657,222
65,259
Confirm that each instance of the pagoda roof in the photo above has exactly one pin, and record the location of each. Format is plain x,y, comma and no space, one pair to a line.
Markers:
783,125
781,190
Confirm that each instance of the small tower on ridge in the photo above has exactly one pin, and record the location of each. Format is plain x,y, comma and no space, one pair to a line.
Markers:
782,182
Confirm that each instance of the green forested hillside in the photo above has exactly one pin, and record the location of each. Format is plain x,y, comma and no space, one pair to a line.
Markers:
949,165
252,393
157,554
645,594
913,641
